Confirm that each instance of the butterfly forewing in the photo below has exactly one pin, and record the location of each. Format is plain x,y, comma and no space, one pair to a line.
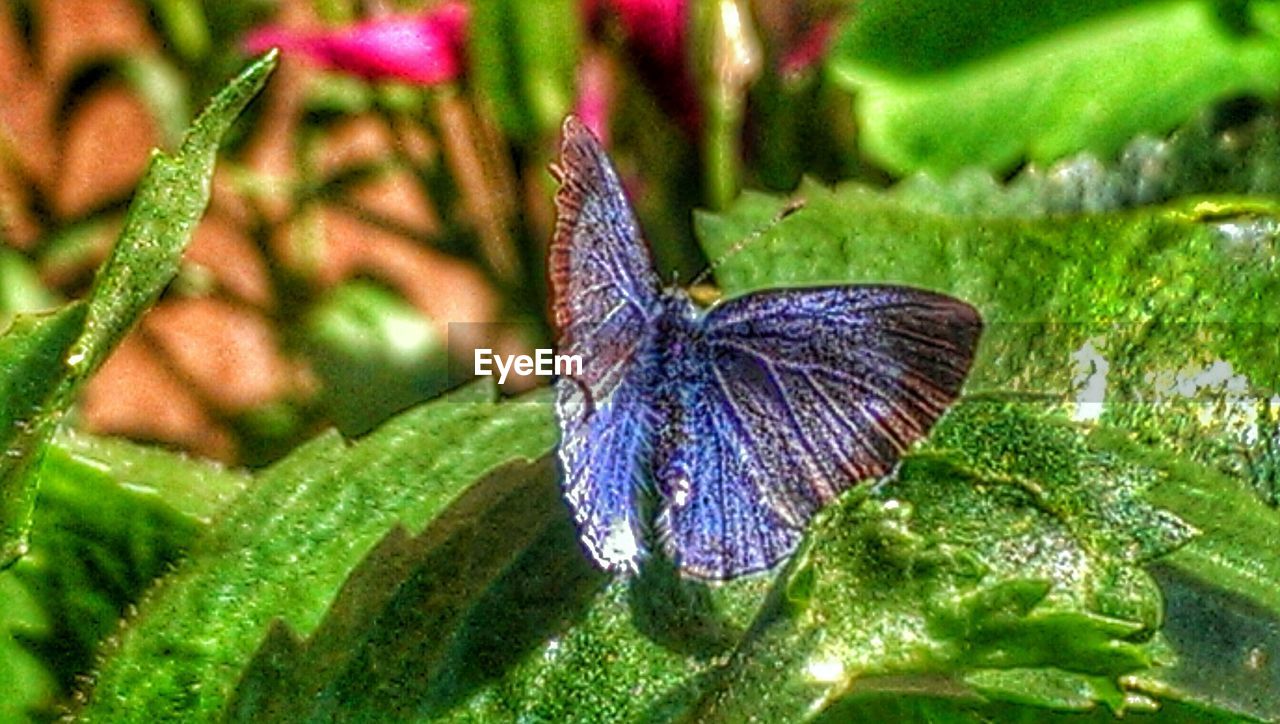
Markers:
604,294
604,291
813,390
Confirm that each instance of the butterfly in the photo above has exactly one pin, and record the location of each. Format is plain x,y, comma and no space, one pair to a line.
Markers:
715,434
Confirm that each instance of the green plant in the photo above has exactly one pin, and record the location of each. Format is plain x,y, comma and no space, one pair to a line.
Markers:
1091,531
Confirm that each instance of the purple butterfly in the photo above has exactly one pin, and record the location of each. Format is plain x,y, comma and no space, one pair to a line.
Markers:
718,433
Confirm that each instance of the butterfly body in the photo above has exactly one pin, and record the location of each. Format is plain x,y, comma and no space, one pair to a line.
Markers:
715,434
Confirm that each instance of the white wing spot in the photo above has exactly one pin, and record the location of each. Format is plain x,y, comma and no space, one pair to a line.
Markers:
620,547
1090,382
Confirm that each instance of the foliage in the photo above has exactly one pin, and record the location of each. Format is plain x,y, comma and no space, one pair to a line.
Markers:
947,102
1090,532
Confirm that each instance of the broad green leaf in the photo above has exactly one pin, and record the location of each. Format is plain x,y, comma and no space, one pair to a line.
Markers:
281,553
46,360
1224,647
111,517
408,634
996,84
1236,549
1155,320
963,561
1158,320
194,489
1222,594
1011,542
906,700
1231,149
634,652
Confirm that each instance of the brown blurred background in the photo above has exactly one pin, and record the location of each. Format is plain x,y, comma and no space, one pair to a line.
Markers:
211,354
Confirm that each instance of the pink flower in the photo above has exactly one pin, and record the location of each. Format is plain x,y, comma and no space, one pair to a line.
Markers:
596,94
657,26
425,49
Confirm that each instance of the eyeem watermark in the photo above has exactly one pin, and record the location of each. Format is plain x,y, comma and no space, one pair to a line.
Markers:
543,362
516,355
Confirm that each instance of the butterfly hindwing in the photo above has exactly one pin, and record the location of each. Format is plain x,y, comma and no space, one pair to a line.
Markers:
804,393
714,522
601,451
604,294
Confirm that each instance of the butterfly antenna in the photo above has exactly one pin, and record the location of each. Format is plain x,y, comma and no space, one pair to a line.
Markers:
792,206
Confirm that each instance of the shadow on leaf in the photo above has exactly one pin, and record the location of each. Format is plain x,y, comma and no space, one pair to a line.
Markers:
426,620
676,613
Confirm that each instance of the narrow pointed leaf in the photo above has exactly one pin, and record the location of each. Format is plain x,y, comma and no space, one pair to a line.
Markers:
32,361
44,363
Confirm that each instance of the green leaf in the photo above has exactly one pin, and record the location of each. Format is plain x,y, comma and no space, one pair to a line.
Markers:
1222,592
1168,308
1157,320
912,700
1223,646
282,552
111,517
958,563
523,62
193,489
1098,497
996,84
1229,149
634,652
169,202
29,683
954,565
33,356
44,361
324,606
408,634
1052,689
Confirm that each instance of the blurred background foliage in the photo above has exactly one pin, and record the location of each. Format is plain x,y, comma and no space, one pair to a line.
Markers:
385,205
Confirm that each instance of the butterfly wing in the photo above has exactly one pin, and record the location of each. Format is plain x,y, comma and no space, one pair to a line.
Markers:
714,521
804,393
604,293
